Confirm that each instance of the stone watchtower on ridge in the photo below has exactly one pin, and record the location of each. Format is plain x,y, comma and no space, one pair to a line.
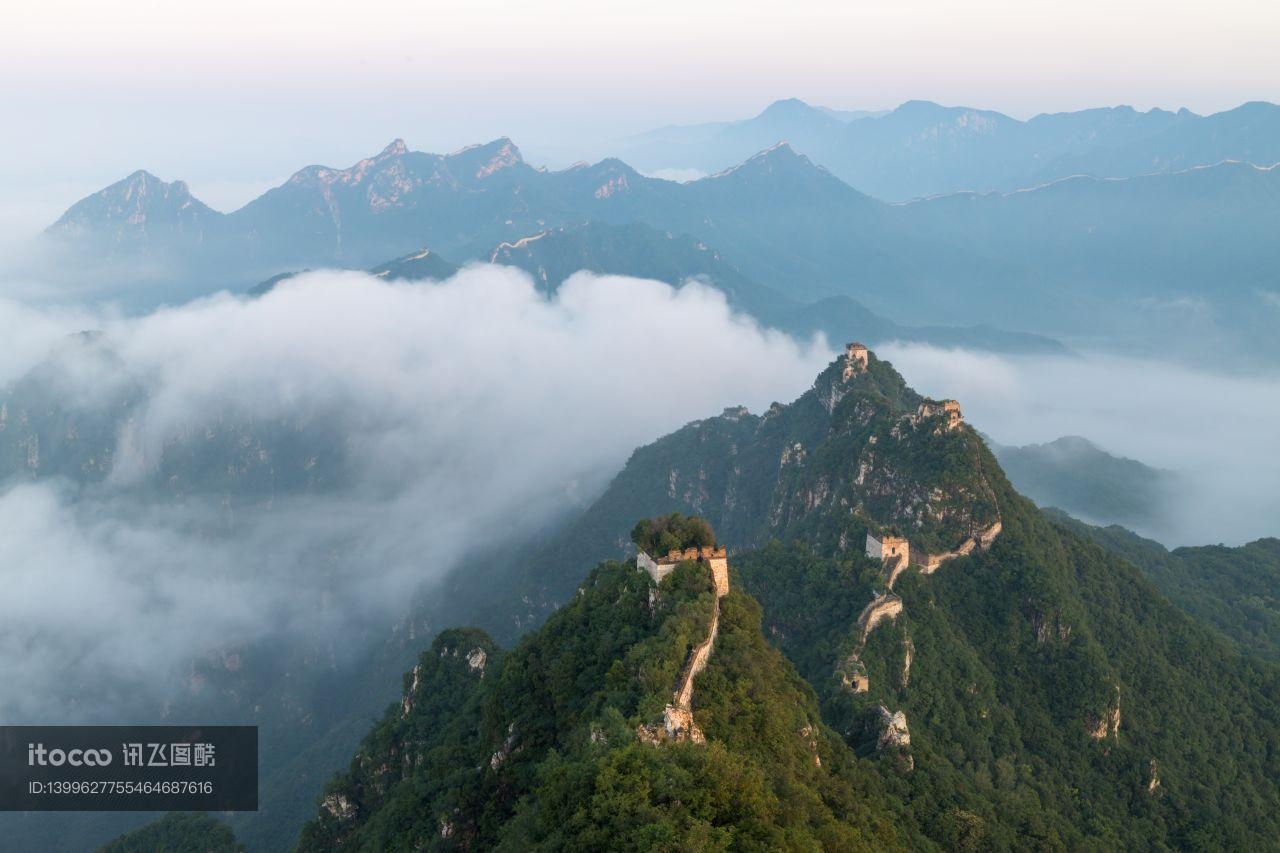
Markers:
885,547
663,543
715,558
948,409
856,359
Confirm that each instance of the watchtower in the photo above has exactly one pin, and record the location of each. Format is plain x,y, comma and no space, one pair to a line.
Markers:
717,559
856,357
886,547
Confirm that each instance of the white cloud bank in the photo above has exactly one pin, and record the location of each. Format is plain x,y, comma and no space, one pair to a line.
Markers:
1217,430
471,408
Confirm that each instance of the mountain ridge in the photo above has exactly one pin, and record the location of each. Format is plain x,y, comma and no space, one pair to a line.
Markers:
1032,691
922,148
1122,261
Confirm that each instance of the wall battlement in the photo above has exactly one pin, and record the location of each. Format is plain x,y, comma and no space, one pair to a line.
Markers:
716,558
879,609
979,541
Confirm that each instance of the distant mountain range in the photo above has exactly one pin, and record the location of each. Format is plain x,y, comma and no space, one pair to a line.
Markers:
1131,263
1074,474
638,251
643,252
924,149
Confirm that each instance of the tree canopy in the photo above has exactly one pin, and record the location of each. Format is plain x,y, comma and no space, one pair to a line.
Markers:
672,532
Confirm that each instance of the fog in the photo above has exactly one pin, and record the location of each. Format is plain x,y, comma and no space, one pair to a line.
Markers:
457,415
1217,431
467,411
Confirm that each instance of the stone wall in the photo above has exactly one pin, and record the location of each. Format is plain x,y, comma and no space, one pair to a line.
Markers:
677,717
720,573
716,558
947,409
856,358
881,607
979,541
894,566
656,571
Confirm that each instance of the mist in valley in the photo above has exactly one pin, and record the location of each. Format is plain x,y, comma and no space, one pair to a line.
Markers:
450,417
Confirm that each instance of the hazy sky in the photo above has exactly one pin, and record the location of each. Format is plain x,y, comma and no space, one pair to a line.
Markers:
235,94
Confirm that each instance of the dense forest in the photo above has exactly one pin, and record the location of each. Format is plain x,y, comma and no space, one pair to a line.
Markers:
541,747
674,532
1051,686
1235,590
178,832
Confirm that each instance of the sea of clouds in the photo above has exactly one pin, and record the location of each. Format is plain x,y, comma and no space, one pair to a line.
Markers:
471,410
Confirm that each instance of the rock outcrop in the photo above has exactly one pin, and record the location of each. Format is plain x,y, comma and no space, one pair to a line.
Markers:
893,729
895,736
1107,724
339,806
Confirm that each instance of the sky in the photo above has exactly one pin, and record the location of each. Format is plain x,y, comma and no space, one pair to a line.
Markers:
235,95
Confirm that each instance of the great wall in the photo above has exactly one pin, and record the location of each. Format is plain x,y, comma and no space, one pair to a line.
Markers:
677,717
896,555
715,558
894,552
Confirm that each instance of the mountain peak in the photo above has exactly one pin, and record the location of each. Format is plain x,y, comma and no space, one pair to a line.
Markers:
778,155
140,210
781,168
487,158
394,149
781,148
143,181
139,176
788,107
141,185
918,105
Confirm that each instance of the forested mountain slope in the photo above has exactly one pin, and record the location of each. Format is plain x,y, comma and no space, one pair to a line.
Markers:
545,747
1014,685
1236,590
